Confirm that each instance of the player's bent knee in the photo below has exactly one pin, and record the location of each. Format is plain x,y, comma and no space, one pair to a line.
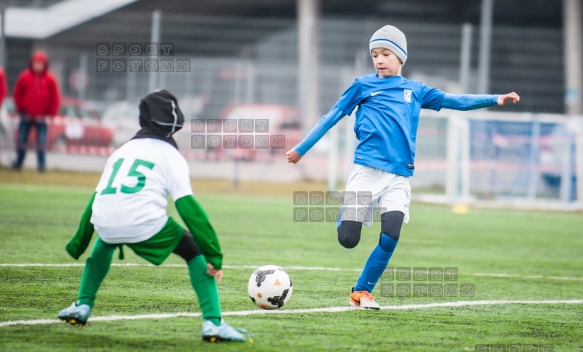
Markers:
187,248
349,233
348,240
391,223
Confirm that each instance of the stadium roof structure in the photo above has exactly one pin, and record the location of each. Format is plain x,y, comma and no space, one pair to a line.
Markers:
515,12
40,19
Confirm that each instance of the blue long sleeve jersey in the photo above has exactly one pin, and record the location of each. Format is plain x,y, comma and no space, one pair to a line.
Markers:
387,119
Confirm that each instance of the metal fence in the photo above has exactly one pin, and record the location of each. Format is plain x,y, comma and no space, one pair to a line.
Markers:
260,55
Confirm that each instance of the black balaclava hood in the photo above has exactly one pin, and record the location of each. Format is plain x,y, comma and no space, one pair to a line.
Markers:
160,117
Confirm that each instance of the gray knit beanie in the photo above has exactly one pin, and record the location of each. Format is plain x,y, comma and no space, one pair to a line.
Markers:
390,37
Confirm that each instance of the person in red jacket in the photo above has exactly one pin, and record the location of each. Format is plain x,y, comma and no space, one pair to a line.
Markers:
36,98
3,91
3,86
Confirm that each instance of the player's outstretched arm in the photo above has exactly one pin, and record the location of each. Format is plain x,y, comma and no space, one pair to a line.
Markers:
326,122
79,243
507,98
466,102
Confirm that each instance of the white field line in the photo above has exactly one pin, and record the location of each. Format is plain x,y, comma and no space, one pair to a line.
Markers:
301,268
293,311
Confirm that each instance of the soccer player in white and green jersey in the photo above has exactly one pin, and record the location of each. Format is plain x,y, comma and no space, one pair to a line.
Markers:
386,127
128,208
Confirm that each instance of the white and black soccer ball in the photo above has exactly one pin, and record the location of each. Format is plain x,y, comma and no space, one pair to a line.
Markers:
270,287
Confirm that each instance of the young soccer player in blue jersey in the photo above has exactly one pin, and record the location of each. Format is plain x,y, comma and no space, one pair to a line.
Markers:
386,127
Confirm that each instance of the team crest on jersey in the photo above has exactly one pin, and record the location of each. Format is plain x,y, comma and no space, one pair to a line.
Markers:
407,95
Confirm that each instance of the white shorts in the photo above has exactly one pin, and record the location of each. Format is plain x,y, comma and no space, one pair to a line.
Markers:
367,187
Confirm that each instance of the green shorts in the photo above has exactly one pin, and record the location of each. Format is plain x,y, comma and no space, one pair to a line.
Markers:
158,247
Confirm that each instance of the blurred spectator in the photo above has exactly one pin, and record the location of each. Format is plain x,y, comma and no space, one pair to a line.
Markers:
3,86
36,98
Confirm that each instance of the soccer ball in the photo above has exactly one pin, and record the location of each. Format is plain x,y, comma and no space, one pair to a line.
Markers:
270,287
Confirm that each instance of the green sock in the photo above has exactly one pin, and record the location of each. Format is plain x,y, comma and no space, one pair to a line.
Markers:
96,268
206,290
